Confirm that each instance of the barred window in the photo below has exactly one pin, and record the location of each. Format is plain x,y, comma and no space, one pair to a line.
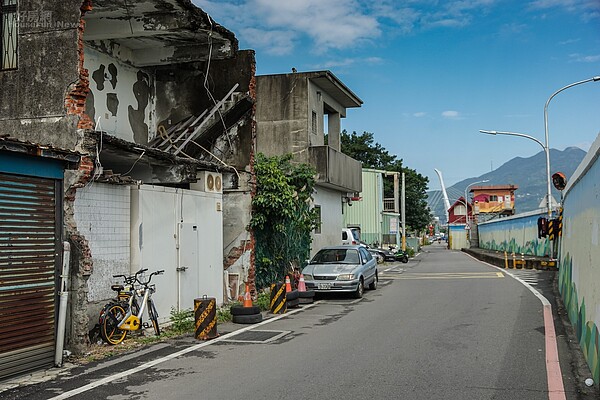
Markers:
8,34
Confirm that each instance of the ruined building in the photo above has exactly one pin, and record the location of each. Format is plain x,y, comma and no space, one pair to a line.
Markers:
126,130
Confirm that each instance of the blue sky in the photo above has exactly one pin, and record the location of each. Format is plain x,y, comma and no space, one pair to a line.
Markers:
432,73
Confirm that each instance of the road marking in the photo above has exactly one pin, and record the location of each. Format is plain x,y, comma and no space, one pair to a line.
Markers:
152,363
556,389
447,275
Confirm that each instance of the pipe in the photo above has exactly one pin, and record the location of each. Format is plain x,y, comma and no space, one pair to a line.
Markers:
62,308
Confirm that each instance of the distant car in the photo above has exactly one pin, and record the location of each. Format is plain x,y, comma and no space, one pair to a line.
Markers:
346,269
350,236
377,254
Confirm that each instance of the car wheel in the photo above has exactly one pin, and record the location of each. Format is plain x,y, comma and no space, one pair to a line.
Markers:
373,285
360,289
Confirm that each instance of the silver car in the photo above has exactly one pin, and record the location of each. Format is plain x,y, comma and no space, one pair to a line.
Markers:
341,269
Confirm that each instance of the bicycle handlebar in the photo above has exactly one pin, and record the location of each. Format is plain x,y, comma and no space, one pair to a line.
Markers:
134,278
150,277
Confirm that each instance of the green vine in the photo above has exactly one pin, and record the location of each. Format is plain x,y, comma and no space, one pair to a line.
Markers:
282,216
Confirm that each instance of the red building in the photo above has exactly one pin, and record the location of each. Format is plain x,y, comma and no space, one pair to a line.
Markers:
457,212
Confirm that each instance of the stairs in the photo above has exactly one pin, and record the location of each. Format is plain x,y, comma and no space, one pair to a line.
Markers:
178,139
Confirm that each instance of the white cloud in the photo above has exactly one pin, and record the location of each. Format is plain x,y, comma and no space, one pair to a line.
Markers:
334,24
419,114
274,42
451,114
584,58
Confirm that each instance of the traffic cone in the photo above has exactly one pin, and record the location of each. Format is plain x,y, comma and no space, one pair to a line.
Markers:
247,298
301,284
288,285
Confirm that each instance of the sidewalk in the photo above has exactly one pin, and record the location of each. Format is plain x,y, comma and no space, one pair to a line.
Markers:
511,260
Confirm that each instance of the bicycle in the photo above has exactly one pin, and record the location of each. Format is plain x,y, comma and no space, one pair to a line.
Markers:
124,315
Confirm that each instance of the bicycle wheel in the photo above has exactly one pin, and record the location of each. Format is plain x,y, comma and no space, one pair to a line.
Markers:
109,329
153,317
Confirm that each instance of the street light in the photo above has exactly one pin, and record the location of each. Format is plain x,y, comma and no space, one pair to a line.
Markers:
546,150
593,79
466,197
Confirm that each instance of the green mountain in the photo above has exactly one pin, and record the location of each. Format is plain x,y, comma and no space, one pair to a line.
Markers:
529,174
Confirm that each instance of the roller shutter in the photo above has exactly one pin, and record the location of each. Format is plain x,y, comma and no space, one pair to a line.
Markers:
30,220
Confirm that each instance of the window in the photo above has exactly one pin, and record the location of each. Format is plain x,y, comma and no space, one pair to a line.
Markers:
318,225
8,34
493,197
314,123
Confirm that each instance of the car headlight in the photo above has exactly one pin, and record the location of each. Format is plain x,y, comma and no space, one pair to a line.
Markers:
308,277
345,277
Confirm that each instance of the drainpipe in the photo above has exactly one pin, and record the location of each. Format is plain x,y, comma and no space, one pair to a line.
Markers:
62,308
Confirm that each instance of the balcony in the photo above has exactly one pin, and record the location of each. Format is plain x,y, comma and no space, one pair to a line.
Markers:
335,169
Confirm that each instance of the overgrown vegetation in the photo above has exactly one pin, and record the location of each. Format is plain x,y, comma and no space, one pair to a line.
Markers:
263,301
182,321
282,216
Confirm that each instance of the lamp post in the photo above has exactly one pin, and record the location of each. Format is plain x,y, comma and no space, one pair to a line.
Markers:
593,79
467,199
546,150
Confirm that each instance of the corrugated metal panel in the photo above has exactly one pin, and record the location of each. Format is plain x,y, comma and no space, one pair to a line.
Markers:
29,238
367,212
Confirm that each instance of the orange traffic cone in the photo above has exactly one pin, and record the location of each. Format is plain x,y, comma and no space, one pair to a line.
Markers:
288,285
247,298
301,284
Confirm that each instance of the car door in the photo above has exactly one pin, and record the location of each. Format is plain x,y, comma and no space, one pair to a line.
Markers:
369,264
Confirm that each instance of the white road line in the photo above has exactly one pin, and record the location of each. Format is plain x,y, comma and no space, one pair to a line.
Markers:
152,363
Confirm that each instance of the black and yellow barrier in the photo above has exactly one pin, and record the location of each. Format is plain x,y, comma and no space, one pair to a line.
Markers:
278,304
205,316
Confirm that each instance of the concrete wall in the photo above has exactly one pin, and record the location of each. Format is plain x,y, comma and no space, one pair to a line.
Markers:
579,271
516,234
32,99
331,219
282,116
121,98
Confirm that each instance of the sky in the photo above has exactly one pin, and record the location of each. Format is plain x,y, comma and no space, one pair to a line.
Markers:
433,73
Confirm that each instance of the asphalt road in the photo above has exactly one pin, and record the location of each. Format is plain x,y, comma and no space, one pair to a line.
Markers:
443,326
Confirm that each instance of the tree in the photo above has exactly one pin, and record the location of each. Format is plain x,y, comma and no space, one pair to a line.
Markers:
371,154
282,216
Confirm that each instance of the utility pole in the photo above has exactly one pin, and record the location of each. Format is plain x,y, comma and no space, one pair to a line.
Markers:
403,213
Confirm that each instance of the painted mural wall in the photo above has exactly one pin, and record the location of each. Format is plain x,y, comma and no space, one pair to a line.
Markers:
579,272
516,234
457,238
122,98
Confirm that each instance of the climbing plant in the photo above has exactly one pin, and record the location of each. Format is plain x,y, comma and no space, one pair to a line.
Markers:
282,216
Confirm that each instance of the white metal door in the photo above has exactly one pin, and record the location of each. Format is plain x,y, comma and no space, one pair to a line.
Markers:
188,272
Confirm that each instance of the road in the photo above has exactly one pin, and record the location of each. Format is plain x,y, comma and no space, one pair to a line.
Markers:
443,326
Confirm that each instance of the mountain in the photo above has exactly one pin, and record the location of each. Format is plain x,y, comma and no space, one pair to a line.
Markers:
529,174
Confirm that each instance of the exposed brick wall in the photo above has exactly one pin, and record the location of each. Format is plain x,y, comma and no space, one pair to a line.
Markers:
252,244
81,257
78,91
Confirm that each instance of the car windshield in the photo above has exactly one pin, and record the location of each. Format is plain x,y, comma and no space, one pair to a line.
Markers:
336,256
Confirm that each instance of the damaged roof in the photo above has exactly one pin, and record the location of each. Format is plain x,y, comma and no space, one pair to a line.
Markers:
156,32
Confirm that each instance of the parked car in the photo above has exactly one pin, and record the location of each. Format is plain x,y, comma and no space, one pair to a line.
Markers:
348,268
350,236
377,254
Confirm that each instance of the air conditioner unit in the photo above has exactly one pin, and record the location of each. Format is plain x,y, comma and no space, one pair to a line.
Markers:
209,182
